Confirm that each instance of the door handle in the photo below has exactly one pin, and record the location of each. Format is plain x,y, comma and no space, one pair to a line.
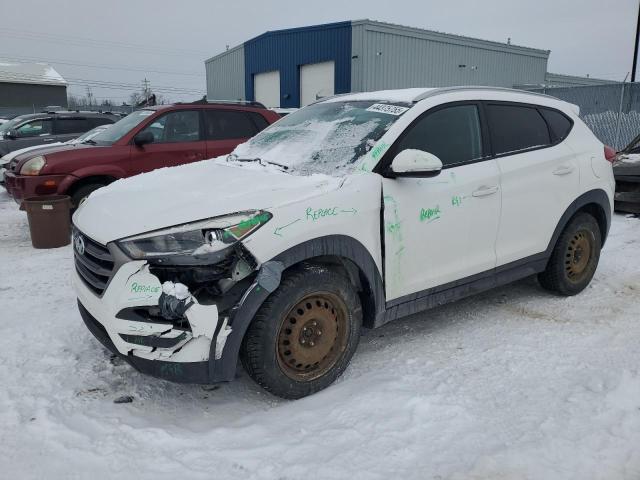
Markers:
484,190
48,139
563,170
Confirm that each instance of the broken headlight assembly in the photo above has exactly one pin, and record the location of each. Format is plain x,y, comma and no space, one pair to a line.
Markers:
197,238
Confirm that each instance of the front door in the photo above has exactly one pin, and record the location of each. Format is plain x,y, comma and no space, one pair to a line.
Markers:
34,132
177,140
442,228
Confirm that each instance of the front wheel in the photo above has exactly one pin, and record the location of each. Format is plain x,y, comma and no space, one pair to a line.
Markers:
574,258
304,334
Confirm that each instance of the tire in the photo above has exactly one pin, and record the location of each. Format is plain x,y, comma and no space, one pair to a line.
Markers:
83,192
574,258
287,349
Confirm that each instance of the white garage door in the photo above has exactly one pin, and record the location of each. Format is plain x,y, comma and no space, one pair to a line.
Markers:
316,81
266,88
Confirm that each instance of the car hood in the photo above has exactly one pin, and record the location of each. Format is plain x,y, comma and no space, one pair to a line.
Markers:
178,195
11,155
50,151
627,165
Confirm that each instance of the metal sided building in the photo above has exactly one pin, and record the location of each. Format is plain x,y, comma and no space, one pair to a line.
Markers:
31,85
294,67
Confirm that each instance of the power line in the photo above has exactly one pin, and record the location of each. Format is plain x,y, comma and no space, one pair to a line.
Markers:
92,42
99,66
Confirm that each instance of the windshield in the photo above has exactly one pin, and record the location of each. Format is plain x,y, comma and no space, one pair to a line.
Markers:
89,135
328,137
119,129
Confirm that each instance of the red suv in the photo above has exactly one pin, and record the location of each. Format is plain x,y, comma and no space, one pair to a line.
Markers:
147,139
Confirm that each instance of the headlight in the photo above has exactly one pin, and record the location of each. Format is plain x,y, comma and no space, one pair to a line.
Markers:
206,236
33,166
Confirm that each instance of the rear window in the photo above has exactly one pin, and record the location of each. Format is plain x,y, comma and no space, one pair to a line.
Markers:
515,128
228,124
559,124
71,125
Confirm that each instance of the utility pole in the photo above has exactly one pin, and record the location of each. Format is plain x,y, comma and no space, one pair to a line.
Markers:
145,87
635,48
89,95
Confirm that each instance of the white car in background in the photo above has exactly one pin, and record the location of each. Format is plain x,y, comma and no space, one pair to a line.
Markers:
353,211
4,160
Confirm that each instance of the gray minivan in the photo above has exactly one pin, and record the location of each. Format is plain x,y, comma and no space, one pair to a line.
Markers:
43,128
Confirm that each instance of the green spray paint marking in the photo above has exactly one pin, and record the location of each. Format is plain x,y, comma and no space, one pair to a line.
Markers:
456,200
138,288
430,214
378,150
279,229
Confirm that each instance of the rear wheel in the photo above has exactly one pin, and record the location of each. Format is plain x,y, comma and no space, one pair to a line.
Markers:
305,333
574,258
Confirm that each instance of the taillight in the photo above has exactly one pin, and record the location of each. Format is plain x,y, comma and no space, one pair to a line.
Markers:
609,153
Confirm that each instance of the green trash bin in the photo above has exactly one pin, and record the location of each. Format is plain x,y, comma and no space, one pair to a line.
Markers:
49,220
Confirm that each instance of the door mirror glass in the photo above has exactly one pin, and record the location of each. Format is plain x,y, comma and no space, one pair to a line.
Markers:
415,163
12,134
143,138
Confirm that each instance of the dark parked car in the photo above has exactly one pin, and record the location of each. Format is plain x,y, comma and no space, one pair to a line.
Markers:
626,171
151,138
42,128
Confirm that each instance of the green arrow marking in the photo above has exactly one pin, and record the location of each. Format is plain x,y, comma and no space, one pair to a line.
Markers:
353,210
279,229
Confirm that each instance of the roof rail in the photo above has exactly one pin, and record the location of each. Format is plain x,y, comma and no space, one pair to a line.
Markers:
441,90
203,101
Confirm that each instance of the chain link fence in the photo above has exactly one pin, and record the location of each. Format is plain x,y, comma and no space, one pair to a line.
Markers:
611,111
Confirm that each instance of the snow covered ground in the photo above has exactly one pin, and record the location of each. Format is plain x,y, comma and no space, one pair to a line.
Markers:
512,384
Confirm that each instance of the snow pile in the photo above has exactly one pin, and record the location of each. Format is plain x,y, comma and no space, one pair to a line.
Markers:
511,384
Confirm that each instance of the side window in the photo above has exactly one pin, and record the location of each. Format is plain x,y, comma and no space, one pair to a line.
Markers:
452,134
228,124
259,120
559,124
67,126
179,126
514,128
35,128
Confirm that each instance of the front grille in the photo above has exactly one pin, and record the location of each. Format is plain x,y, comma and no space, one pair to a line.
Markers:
94,264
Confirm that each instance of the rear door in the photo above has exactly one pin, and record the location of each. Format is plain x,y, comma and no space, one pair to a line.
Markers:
443,228
539,177
225,129
68,128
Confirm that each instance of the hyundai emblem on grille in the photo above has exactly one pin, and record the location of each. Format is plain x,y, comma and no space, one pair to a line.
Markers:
78,243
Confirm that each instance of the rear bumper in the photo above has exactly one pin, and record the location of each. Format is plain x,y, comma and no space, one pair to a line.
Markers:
24,186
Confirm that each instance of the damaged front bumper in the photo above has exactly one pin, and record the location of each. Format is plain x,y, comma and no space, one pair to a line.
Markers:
125,318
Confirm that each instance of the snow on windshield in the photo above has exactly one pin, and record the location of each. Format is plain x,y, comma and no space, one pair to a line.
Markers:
324,138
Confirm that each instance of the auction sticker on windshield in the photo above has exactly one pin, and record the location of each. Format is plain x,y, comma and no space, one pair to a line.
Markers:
390,109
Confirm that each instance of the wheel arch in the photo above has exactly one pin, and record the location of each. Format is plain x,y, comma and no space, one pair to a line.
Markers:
342,252
81,182
595,202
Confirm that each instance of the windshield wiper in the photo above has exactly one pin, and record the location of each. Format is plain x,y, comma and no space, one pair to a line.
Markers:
234,158
90,142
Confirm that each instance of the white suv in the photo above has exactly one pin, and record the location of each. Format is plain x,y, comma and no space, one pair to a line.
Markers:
353,211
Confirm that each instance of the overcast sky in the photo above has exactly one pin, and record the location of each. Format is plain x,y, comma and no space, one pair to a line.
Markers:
124,41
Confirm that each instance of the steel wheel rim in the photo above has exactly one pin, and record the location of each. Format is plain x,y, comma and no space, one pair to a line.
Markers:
313,336
578,255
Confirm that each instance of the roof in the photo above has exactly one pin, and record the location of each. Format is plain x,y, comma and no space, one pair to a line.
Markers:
402,30
33,73
411,95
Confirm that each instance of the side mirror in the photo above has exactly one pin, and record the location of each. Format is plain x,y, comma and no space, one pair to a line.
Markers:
12,134
415,163
143,138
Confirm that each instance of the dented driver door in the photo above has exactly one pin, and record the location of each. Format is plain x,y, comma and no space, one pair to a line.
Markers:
442,228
